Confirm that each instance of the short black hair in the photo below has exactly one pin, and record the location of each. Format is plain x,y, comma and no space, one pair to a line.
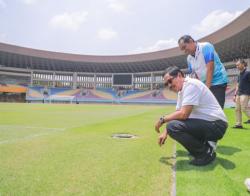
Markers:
173,71
186,39
242,61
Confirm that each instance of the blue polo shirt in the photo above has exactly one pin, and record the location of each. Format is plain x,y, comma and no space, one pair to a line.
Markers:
205,53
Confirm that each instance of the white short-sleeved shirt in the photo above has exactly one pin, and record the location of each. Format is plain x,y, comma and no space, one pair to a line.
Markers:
205,105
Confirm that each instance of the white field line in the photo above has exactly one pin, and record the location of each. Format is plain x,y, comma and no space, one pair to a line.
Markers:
29,137
173,189
29,127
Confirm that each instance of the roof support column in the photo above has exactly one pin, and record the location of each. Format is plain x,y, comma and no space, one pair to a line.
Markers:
31,78
133,86
95,81
151,81
54,79
74,79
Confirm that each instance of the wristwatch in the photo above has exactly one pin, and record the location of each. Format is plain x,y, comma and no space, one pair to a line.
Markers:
162,120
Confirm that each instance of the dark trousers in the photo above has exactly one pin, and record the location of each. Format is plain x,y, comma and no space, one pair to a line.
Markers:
193,134
219,92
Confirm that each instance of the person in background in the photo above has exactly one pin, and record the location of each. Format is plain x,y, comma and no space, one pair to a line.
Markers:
242,94
204,62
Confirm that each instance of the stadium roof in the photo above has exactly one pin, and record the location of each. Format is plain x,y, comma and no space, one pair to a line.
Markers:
231,42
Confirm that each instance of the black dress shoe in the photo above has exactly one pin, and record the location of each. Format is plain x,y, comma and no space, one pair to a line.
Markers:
247,122
237,127
205,160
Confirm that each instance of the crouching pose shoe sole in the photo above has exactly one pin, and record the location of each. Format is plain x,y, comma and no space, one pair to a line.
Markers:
209,158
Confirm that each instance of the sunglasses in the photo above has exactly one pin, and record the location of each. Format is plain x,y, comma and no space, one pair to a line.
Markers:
169,82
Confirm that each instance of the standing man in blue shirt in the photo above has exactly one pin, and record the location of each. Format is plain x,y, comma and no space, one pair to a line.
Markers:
204,62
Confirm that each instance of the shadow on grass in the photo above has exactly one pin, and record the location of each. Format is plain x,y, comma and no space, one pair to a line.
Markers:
227,150
183,165
238,130
165,160
181,153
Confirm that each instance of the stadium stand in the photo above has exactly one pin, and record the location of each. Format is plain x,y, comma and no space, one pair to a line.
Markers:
44,76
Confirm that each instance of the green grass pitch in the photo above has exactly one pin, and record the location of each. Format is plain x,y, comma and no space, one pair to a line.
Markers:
68,150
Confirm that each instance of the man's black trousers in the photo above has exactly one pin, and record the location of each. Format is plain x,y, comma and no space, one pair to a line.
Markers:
193,134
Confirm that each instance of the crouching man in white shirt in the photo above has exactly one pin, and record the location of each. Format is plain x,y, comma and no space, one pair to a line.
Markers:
198,117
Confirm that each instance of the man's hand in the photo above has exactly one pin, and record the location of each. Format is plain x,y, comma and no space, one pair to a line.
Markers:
158,124
162,138
234,99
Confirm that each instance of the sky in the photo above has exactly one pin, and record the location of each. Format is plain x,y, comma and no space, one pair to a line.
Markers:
111,27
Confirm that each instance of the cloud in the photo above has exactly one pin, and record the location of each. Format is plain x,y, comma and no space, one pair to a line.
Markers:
69,21
29,2
117,6
107,34
214,21
2,4
159,45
